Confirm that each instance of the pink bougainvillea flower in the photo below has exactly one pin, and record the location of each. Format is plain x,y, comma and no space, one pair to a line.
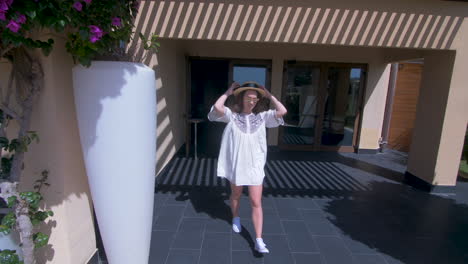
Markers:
78,6
94,38
116,21
95,29
21,19
87,1
2,15
13,26
96,33
3,6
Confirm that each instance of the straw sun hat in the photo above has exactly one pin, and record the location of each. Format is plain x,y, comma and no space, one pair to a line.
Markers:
249,86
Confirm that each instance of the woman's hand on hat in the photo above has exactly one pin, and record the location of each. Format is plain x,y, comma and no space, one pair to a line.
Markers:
267,93
233,86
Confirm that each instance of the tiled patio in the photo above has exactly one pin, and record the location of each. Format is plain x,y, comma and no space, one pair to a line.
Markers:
319,208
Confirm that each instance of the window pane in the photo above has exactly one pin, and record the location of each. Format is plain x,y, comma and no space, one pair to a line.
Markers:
341,106
243,74
301,101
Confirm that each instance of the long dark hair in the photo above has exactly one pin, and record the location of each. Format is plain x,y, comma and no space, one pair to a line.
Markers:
262,104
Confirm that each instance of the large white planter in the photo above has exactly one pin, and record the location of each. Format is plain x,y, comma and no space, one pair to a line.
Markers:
116,111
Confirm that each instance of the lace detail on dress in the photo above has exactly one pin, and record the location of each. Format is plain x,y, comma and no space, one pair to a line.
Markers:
255,121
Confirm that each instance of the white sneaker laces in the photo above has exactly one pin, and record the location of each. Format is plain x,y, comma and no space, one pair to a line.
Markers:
260,246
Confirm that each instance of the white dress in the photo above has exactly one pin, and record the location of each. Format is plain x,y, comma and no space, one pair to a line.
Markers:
243,151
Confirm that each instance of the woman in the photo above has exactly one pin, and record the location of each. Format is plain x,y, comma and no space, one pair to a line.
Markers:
242,155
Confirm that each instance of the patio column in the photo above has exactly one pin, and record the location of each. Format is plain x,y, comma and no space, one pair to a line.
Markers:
276,87
441,119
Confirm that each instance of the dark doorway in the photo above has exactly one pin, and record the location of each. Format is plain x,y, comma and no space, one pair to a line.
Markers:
209,79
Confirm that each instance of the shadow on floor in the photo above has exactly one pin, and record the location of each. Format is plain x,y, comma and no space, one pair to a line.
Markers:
405,225
361,198
213,202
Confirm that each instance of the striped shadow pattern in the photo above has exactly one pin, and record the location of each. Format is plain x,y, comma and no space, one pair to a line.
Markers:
281,176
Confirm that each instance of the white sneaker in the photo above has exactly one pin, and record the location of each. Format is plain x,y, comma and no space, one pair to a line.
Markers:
260,246
236,225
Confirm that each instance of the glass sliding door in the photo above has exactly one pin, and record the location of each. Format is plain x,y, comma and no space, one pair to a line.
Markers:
323,102
341,106
301,99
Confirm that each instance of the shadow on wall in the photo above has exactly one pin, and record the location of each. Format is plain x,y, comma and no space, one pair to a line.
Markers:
336,23
166,145
93,108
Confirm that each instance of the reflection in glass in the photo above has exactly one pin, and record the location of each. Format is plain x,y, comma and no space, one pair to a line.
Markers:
243,74
301,101
341,106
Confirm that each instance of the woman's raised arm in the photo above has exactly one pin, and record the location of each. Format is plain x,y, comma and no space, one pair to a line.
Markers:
219,104
280,109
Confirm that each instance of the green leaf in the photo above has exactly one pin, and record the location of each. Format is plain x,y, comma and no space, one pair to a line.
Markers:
31,14
32,198
85,61
5,230
9,257
9,221
61,23
39,217
4,142
12,201
50,213
40,239
6,166
46,50
33,136
14,145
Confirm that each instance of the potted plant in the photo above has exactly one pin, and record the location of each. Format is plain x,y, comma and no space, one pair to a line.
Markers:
116,118
115,102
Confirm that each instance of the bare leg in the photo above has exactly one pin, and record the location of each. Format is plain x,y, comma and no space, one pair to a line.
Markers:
236,192
255,194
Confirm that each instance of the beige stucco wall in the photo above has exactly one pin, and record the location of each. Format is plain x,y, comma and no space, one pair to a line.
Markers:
376,81
374,106
364,31
329,31
442,115
400,23
314,31
71,229
169,65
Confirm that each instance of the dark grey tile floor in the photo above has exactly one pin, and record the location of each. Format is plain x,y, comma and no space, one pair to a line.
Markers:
318,208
